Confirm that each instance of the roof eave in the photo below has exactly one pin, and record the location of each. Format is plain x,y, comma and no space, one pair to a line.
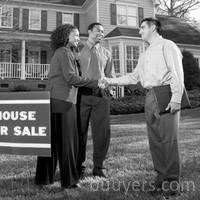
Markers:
122,37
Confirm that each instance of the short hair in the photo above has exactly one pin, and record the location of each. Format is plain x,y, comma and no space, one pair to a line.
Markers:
154,21
60,36
92,25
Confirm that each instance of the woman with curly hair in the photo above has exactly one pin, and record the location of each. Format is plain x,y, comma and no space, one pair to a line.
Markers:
63,82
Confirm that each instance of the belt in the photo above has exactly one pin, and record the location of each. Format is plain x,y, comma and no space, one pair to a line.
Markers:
90,91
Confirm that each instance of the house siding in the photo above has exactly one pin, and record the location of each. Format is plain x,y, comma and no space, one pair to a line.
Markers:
148,8
91,14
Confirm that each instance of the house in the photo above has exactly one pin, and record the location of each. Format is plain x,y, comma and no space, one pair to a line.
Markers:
25,28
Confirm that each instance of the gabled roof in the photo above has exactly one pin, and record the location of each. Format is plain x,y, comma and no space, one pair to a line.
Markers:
121,31
61,2
179,30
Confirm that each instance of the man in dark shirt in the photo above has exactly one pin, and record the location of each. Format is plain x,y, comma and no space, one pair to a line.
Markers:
94,104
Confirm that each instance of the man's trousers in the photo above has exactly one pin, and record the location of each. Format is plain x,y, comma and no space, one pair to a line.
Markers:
97,111
163,139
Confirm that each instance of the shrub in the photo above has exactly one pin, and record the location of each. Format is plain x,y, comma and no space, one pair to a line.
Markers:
194,96
191,71
127,105
131,90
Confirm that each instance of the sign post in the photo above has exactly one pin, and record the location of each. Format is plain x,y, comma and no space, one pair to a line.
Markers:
25,123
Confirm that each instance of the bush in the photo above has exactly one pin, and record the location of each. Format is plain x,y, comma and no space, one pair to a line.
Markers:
131,90
194,96
127,105
191,71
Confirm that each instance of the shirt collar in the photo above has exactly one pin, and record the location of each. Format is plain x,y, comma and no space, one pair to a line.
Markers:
155,40
91,45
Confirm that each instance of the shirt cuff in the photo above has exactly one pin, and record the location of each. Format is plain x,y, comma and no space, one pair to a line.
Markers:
176,97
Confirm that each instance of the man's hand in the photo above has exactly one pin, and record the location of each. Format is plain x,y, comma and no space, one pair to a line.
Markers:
173,107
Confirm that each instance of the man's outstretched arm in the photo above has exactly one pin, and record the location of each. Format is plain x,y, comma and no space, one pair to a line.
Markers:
130,79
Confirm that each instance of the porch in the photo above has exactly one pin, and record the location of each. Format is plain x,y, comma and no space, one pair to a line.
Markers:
24,71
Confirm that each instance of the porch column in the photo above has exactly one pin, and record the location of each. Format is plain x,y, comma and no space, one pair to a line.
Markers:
23,55
122,63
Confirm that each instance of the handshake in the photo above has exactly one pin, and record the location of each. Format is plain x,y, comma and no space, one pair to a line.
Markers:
103,83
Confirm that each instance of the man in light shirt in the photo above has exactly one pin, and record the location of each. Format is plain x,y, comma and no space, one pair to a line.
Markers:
160,64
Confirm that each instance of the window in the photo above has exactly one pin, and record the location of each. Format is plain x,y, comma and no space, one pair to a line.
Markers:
127,15
34,19
33,56
6,16
67,18
5,55
132,55
115,58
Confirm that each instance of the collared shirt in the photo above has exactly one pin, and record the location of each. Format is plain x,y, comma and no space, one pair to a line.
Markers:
95,62
160,64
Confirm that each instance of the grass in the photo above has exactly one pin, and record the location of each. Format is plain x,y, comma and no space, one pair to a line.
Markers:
129,166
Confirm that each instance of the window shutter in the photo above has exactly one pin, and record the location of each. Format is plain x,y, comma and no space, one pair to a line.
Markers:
26,56
15,18
43,57
43,20
76,20
140,14
113,14
25,20
58,19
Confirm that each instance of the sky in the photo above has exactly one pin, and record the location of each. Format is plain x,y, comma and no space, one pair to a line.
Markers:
195,14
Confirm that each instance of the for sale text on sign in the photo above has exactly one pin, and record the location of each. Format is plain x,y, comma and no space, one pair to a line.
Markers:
25,123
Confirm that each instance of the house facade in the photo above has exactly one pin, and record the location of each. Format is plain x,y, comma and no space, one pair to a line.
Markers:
25,28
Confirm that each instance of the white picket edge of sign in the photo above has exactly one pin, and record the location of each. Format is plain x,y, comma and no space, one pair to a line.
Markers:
22,145
37,101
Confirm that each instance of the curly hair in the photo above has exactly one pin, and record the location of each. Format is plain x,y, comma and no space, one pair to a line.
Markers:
60,36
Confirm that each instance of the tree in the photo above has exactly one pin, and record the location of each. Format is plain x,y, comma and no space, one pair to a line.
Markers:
178,8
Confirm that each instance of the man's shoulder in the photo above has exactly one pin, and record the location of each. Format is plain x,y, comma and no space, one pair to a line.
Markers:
169,43
172,46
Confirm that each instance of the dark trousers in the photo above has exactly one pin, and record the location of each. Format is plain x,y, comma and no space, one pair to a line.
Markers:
97,111
163,139
64,146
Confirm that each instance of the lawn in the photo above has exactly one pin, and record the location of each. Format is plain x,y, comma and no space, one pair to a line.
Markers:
129,166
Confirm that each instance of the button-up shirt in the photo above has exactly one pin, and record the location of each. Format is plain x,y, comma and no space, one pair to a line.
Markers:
160,64
95,62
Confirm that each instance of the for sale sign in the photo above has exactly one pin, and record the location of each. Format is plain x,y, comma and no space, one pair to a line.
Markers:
25,123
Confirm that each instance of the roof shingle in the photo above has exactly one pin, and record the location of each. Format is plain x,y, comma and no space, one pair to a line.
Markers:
121,31
62,2
179,30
